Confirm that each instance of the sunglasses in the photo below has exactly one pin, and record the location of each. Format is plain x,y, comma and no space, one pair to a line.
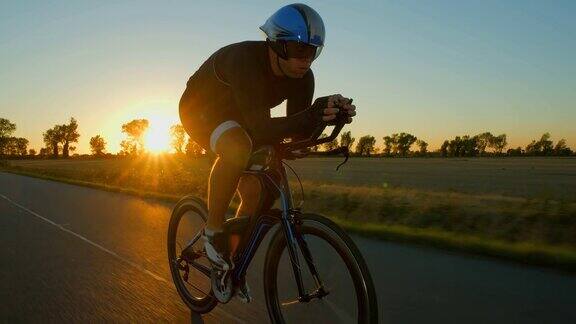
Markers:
300,50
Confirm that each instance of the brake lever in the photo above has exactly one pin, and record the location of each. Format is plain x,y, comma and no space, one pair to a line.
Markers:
346,153
341,116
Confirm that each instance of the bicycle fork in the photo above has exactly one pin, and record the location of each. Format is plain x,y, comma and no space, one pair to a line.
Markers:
295,240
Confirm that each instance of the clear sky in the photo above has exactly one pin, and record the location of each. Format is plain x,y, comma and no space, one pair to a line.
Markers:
435,69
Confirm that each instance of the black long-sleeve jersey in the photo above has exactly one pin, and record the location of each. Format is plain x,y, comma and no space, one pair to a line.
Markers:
236,82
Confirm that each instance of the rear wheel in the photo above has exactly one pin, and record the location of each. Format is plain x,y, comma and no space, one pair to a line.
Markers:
345,293
186,224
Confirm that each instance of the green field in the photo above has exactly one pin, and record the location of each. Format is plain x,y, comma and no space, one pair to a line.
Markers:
526,177
456,203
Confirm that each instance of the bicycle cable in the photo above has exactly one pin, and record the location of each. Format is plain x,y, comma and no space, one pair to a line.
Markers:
299,181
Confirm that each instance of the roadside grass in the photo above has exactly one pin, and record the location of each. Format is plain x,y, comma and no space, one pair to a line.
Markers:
534,231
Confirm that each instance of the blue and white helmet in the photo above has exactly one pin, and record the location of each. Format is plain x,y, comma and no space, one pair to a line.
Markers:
295,22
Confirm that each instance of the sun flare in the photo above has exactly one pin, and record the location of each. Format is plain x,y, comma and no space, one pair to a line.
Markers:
161,115
157,138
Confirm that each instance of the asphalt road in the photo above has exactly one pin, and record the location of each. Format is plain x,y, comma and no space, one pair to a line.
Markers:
74,254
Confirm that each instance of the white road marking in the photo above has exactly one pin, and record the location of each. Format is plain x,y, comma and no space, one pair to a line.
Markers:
112,253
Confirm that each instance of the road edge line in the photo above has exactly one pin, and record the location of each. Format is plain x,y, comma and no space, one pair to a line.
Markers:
100,247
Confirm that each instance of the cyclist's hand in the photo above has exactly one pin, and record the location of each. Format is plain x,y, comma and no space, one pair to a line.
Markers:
340,102
330,112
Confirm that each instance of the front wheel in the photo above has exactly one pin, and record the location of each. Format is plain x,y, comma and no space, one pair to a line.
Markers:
347,293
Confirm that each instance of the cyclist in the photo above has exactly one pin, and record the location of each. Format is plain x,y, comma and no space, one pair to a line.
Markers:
226,108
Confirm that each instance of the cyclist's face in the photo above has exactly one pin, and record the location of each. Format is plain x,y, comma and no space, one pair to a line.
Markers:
300,57
296,67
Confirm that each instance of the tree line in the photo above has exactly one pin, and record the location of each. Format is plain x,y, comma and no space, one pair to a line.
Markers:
484,144
61,138
9,145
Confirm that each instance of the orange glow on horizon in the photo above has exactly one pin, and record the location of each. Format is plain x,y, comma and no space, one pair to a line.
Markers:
161,115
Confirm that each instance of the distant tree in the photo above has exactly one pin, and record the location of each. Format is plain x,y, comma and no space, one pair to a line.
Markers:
32,152
444,148
455,146
330,145
514,152
68,134
498,143
544,146
469,146
52,138
6,127
10,147
193,149
128,147
366,145
97,145
532,148
403,142
135,131
178,134
561,149
395,144
483,141
422,147
4,141
6,130
20,146
43,151
461,146
388,142
347,140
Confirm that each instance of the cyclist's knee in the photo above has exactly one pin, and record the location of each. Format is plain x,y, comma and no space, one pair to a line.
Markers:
234,147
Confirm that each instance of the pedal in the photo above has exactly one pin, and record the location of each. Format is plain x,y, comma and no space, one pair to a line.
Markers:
221,285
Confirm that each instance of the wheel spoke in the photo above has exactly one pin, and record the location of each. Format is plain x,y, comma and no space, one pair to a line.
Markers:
196,288
200,267
193,240
340,314
293,302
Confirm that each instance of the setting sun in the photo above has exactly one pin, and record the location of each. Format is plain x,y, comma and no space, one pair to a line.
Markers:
160,113
157,138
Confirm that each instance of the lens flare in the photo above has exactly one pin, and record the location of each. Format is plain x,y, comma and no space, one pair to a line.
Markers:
157,138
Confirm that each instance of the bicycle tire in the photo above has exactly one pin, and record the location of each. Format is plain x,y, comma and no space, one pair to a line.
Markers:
323,228
186,204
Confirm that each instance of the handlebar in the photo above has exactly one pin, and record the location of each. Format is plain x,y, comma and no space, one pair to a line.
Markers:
314,139
291,150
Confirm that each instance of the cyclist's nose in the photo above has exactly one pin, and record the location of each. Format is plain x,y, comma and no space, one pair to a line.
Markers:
307,61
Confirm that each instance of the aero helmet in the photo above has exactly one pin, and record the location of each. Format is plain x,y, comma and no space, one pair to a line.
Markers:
294,22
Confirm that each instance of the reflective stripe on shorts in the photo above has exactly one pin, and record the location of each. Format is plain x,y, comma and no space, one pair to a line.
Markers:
221,129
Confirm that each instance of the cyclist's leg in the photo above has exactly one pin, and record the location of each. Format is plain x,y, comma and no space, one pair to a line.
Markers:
233,146
250,191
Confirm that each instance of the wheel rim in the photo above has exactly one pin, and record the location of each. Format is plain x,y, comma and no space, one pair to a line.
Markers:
189,224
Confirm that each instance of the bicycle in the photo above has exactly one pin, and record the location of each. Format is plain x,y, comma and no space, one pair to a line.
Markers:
298,233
